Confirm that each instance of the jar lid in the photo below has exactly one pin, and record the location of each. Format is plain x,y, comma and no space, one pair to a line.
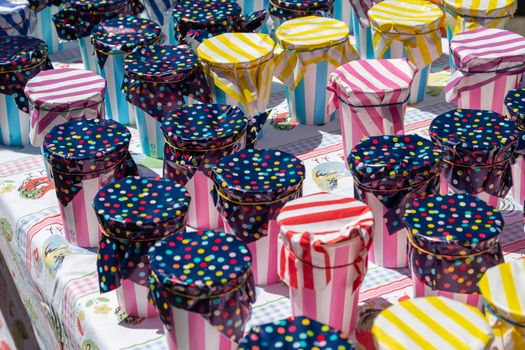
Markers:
206,13
302,5
139,208
482,9
21,52
98,6
405,17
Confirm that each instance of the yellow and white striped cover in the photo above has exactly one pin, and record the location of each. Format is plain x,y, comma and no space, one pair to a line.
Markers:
416,23
431,323
242,65
309,40
463,15
503,289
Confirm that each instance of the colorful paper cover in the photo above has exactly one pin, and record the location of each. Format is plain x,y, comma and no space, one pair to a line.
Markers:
246,75
84,149
122,35
455,238
198,136
432,323
503,289
395,169
16,18
481,56
159,77
463,15
515,105
301,49
477,159
290,9
416,23
205,272
133,213
59,95
79,17
371,83
252,185
297,333
311,224
21,58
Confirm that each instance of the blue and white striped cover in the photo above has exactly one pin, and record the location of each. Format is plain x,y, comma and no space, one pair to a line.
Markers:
363,39
255,5
87,52
159,11
46,30
16,18
151,137
343,12
14,124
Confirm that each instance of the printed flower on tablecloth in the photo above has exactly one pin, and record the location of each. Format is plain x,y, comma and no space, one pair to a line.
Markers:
102,309
5,229
35,186
7,186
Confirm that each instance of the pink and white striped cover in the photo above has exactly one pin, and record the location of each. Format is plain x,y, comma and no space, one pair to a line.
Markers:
59,95
445,187
133,299
490,63
202,214
422,290
192,332
371,96
265,252
324,242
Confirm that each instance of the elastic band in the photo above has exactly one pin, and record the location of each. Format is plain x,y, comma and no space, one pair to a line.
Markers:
107,235
369,189
37,108
91,172
44,60
255,203
503,318
478,166
445,256
383,105
209,149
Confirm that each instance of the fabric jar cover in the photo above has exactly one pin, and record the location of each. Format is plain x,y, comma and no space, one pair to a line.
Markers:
203,272
45,29
245,76
16,18
134,213
284,10
59,95
79,170
324,242
408,28
250,187
453,239
361,27
371,96
113,40
477,160
157,80
431,323
21,58
196,21
489,62
515,110
503,290
306,60
197,137
302,332
389,172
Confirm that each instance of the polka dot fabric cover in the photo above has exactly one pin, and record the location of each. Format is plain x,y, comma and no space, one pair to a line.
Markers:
395,169
454,227
474,140
79,17
158,77
205,272
122,35
84,149
515,104
133,213
290,9
298,333
21,58
198,136
252,185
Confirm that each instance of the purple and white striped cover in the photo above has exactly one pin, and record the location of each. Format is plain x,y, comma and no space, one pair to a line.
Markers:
60,95
489,62
371,96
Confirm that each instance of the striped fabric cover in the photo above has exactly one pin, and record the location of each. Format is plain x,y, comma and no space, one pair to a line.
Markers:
16,18
59,95
464,15
242,65
361,8
503,288
431,323
313,225
484,50
416,23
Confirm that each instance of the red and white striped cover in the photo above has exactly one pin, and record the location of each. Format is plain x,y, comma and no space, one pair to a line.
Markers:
324,242
59,95
478,54
371,96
